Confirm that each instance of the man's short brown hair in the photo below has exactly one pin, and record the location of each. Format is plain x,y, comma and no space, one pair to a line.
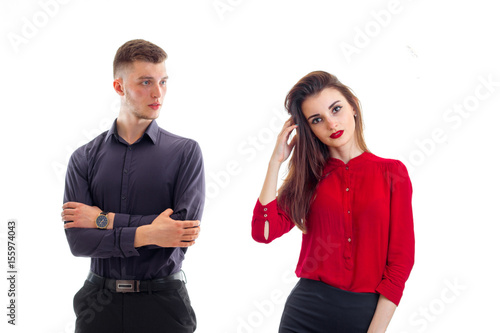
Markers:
137,49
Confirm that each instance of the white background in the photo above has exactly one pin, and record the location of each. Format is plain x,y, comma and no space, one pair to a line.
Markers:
230,69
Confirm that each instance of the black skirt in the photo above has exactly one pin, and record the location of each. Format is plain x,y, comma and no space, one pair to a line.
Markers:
314,306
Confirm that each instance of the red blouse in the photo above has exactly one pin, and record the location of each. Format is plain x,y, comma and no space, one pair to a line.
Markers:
359,227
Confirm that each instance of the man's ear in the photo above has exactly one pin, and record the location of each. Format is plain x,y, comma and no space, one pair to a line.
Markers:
118,86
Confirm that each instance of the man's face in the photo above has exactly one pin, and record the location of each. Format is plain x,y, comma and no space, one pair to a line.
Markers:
144,85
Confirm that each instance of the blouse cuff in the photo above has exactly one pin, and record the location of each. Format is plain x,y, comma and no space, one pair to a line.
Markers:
261,214
390,291
271,206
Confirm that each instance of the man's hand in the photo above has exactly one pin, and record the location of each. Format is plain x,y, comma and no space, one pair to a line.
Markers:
166,232
79,215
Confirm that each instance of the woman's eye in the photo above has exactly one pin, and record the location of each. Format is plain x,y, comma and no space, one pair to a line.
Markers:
337,108
315,120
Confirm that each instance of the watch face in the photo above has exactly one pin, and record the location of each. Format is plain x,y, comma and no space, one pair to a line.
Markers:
101,221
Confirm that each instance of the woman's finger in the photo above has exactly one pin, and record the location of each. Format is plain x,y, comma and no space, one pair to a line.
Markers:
293,142
289,131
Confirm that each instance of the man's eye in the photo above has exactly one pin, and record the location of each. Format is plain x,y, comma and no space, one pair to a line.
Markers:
145,83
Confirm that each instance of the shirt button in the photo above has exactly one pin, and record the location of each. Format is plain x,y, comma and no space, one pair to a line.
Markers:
347,189
129,148
349,240
124,197
125,171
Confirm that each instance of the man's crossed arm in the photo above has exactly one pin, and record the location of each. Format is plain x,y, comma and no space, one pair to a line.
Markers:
163,231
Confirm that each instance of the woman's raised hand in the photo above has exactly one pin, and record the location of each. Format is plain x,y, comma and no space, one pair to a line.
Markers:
283,149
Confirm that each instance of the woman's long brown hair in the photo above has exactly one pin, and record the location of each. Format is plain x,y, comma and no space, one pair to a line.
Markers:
310,154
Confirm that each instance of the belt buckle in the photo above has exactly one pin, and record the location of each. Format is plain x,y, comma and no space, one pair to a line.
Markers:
127,286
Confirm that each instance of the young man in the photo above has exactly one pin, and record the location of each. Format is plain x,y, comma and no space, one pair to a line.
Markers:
133,200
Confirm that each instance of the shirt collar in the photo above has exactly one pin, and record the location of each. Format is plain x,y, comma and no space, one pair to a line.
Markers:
333,163
112,131
152,132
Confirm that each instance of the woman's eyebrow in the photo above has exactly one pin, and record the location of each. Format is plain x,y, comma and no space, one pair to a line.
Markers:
329,108
333,104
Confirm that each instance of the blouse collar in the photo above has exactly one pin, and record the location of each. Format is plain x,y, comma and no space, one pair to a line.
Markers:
333,163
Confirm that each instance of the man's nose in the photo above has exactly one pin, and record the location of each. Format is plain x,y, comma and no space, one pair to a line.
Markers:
156,92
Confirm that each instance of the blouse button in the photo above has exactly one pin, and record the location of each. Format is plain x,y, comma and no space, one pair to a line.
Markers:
347,189
347,168
265,215
265,209
348,212
349,240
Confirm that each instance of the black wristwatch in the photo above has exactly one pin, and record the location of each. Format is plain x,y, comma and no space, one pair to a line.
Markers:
102,221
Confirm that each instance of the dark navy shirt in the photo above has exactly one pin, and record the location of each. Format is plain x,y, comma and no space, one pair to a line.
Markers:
136,182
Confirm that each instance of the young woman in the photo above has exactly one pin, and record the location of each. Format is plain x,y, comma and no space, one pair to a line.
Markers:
353,208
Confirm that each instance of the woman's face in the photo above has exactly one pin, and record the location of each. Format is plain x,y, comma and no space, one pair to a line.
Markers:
331,118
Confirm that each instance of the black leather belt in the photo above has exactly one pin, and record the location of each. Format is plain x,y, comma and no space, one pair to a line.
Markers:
135,286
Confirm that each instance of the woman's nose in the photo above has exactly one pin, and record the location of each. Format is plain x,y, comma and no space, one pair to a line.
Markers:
331,122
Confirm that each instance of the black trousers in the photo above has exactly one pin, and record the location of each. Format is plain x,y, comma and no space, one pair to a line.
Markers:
316,307
167,311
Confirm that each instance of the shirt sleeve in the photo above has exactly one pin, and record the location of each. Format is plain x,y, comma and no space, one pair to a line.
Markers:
401,249
95,243
189,190
279,222
126,220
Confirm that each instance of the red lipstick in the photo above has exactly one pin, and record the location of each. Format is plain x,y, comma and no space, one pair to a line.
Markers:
337,135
